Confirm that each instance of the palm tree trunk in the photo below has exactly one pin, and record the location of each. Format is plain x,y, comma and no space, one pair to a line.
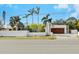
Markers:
32,19
16,27
38,19
26,21
38,22
4,13
4,21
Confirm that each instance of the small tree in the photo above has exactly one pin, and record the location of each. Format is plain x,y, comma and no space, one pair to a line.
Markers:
71,22
33,27
77,25
15,23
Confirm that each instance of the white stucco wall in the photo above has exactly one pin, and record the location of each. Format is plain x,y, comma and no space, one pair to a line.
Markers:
13,33
21,33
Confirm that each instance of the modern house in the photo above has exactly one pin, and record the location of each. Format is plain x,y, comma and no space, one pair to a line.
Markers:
56,29
59,29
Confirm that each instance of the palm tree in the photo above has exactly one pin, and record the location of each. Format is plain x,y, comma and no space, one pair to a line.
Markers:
31,12
3,15
46,19
37,10
15,22
26,16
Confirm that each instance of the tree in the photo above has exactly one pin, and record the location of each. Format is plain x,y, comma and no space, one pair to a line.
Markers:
1,25
31,12
37,10
77,25
60,22
46,19
41,27
3,15
26,16
71,22
33,27
20,26
15,23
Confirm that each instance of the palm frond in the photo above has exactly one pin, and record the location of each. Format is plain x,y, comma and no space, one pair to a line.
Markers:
37,9
43,18
47,15
50,19
26,15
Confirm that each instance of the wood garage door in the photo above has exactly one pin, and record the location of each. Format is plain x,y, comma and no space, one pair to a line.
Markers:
57,30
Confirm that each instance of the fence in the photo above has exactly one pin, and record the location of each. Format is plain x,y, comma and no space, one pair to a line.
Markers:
13,33
21,33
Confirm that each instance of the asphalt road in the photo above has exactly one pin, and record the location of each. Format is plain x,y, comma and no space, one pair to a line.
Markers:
39,46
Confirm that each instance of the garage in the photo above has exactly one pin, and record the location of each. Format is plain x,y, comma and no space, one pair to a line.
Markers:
57,30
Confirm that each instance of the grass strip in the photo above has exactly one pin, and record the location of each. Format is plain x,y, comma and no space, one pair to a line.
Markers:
27,38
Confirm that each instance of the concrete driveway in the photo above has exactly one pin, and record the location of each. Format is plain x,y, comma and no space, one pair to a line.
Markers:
39,46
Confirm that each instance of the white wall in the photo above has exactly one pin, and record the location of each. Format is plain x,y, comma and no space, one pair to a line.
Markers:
36,34
13,33
21,33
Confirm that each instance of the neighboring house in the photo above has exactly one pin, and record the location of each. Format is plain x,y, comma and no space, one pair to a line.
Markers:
6,28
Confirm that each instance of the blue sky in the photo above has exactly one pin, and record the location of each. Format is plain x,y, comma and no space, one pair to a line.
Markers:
57,11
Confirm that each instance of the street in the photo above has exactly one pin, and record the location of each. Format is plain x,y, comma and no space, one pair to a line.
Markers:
39,46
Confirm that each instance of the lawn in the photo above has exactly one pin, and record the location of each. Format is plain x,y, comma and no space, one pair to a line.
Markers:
28,38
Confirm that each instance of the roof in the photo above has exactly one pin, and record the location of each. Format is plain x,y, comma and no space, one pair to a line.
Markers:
58,26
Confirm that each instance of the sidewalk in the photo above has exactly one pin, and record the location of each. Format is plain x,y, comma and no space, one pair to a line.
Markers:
66,36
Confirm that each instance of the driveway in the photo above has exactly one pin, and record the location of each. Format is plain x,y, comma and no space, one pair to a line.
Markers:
39,46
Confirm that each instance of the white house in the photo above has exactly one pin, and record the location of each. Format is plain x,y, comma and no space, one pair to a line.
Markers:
56,29
60,29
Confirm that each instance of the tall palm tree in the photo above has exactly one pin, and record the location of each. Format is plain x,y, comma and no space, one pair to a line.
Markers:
3,15
26,16
37,10
31,12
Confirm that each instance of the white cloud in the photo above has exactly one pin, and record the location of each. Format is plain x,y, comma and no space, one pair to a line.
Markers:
76,8
12,6
63,6
74,14
66,6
